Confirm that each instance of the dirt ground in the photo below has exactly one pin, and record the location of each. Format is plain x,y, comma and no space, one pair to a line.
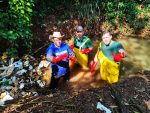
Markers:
128,96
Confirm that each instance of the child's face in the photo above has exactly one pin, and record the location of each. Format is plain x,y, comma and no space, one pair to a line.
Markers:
79,34
57,41
106,40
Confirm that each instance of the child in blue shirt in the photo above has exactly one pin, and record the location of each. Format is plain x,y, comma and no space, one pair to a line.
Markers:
59,53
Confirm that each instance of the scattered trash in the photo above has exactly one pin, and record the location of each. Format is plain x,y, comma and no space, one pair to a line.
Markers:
35,94
43,64
102,107
21,86
21,72
41,83
6,96
6,87
30,67
18,64
7,70
2,103
26,63
21,77
13,78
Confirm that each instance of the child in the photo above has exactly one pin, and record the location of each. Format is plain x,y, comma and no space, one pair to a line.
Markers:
109,54
82,45
59,53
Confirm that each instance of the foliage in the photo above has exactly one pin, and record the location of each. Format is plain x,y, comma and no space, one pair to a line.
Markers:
12,52
45,7
16,21
16,16
115,12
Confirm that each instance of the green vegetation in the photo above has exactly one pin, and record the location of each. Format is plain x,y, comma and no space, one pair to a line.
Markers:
15,23
17,16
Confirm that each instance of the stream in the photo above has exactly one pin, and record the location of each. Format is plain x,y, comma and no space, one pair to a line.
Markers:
137,59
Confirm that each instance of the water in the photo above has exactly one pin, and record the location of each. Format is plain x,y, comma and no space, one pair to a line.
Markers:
138,54
138,58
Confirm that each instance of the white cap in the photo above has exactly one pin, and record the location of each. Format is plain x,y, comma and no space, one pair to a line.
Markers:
55,35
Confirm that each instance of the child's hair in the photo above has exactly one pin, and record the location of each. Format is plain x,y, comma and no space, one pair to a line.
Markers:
107,31
107,34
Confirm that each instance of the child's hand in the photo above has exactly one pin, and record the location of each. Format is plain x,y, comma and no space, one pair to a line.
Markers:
93,65
122,52
73,59
72,46
117,57
86,50
59,58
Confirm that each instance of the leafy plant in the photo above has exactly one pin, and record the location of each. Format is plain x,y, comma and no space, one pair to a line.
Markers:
12,52
16,22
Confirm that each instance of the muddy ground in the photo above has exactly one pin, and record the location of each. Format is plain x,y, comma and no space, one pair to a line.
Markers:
128,96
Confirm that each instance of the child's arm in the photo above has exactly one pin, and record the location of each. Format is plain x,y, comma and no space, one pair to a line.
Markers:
123,53
71,54
121,50
94,62
96,56
118,57
56,59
